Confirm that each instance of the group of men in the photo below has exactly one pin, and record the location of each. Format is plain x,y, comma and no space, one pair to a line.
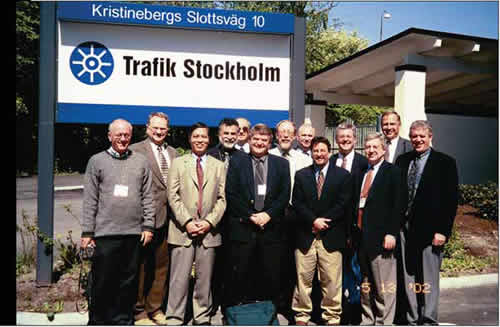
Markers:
259,223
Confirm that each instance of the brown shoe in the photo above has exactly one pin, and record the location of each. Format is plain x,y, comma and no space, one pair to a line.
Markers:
160,319
301,323
145,322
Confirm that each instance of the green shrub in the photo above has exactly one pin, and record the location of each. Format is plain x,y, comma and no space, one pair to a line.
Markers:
484,197
457,260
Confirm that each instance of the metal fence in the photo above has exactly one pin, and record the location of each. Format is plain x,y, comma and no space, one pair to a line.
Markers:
361,132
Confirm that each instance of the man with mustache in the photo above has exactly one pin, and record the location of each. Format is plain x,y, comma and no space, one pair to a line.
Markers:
154,258
285,133
196,184
321,197
228,137
396,145
430,179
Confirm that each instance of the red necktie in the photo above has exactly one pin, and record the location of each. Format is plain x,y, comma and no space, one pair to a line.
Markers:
199,173
364,194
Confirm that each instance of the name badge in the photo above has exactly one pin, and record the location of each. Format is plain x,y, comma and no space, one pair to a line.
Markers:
261,189
121,191
362,202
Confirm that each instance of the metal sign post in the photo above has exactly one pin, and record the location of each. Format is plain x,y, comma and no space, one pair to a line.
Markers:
47,89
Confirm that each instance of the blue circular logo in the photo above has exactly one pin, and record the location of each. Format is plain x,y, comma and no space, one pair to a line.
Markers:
91,63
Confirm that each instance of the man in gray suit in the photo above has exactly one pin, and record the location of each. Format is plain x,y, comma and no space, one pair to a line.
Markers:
154,257
391,122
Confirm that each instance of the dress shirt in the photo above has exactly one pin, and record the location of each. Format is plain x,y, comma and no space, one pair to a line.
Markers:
254,163
375,171
392,149
154,146
245,147
350,159
423,160
324,170
202,162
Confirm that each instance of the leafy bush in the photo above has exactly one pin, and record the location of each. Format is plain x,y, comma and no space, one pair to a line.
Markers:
484,197
457,260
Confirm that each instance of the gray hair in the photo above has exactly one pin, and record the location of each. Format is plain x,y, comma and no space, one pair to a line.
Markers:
342,126
112,124
376,135
158,114
417,124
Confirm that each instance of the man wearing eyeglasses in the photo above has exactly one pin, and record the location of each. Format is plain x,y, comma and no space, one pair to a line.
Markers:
154,257
118,219
243,135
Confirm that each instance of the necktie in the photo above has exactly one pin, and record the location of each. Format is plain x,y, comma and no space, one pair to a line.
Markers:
163,163
199,173
412,182
259,180
386,156
364,194
344,162
321,181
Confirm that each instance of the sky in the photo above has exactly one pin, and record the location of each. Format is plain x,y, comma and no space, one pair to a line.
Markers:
469,18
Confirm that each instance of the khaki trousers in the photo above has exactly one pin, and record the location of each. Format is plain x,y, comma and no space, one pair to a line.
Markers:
329,266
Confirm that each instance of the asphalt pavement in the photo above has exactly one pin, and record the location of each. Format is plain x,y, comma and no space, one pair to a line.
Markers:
467,300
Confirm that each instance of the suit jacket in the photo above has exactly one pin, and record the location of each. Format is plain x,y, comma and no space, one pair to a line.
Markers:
183,198
334,203
240,193
403,146
159,185
383,211
436,199
359,165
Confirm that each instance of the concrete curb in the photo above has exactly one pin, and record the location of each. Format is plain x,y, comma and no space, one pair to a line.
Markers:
468,281
75,318
68,188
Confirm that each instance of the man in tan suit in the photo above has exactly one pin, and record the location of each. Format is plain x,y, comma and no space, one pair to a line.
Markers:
154,257
196,193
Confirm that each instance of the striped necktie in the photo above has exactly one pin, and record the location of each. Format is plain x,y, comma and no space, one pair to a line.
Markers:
163,164
321,181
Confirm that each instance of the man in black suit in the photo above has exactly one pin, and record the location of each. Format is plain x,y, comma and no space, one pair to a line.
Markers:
258,191
396,145
356,164
321,197
379,217
431,179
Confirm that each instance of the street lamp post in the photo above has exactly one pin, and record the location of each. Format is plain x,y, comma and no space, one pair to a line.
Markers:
385,15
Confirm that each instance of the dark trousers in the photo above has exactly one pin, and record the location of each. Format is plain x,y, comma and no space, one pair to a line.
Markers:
254,272
153,281
114,268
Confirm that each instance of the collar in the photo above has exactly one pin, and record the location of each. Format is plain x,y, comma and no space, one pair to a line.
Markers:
203,157
349,156
163,145
112,152
263,158
394,141
317,169
424,154
376,166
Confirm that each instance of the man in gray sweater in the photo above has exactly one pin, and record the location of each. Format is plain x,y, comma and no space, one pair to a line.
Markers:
118,216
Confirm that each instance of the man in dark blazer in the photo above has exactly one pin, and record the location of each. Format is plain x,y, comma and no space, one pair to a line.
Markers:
347,158
154,260
431,180
257,192
321,197
396,145
379,216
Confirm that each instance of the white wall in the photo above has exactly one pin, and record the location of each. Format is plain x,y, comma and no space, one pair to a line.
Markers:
472,141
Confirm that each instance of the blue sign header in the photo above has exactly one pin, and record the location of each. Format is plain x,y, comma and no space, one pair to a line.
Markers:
177,17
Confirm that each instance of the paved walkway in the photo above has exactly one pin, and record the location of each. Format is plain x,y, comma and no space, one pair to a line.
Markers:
75,318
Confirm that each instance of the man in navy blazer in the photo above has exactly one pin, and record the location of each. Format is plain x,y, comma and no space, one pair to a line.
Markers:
379,216
257,198
396,145
431,197
321,197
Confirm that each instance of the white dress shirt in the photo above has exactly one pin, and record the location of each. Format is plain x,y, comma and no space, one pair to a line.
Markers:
392,149
350,159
